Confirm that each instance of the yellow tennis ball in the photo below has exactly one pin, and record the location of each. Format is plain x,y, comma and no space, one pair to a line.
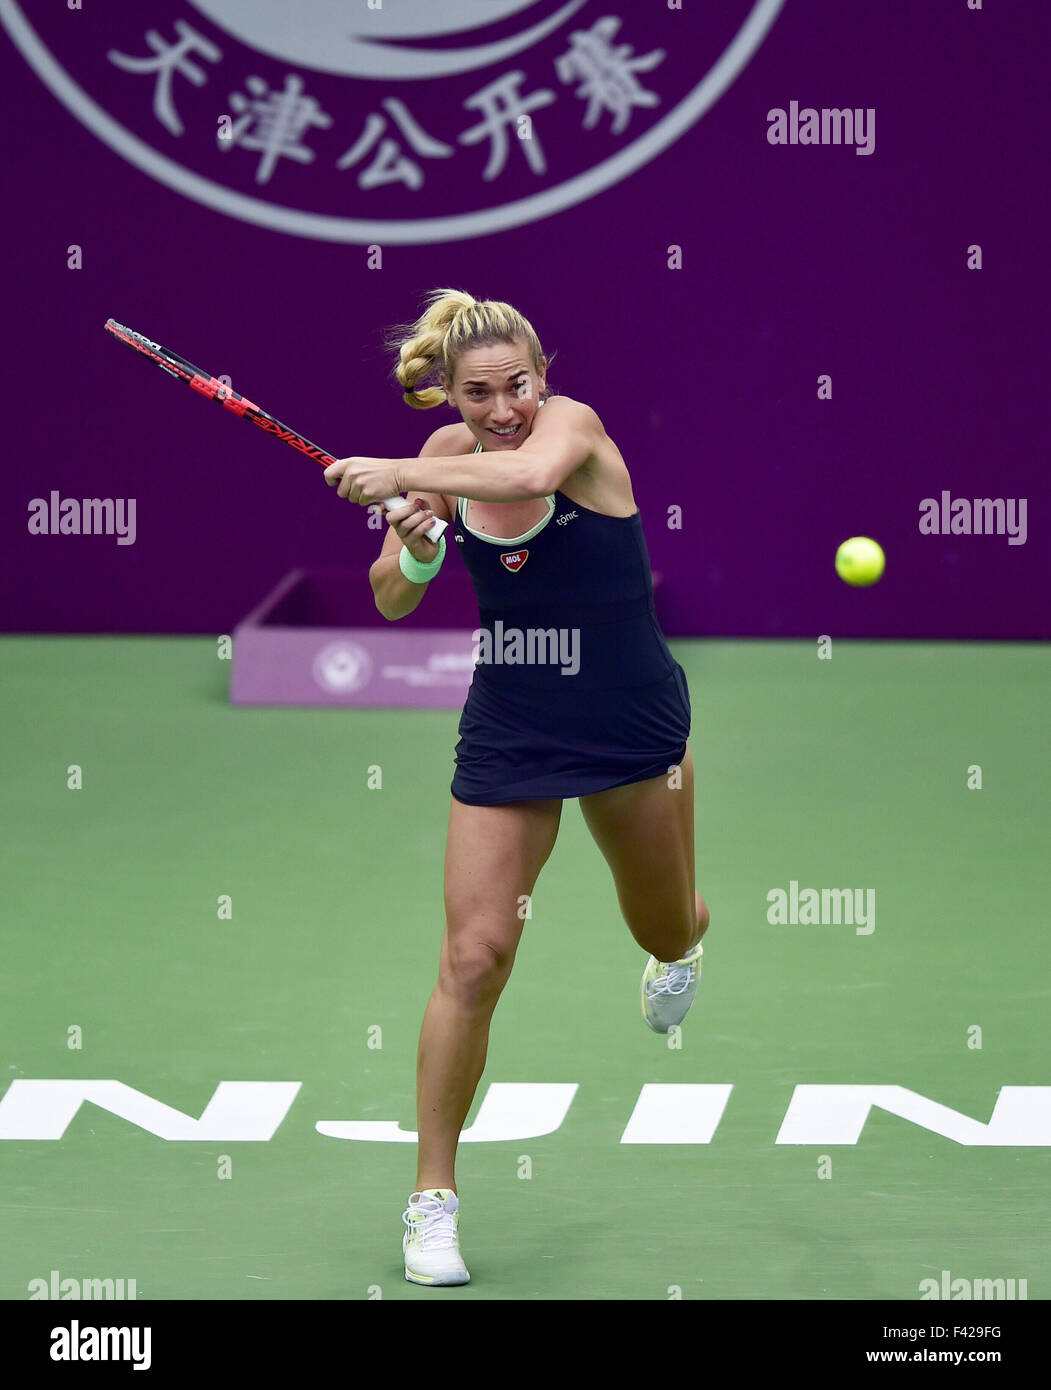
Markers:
860,561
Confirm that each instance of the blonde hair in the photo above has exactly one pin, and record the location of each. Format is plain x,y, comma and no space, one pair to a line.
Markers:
453,323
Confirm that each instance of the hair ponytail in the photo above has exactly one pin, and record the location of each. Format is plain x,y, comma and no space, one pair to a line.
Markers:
453,322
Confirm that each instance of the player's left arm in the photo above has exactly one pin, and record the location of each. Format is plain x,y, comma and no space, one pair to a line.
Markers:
564,437
562,440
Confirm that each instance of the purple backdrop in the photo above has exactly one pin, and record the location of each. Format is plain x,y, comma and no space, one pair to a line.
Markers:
251,256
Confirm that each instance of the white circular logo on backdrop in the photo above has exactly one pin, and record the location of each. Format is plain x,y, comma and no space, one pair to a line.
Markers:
342,666
329,36
323,119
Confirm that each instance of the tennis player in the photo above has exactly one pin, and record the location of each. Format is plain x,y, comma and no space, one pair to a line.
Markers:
574,694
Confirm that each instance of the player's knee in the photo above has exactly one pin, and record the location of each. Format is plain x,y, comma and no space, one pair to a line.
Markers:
669,935
475,967
665,947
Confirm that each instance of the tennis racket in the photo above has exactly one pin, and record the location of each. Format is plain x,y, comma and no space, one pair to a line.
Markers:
231,400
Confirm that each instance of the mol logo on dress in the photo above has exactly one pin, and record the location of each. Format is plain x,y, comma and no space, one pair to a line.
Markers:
514,560
323,119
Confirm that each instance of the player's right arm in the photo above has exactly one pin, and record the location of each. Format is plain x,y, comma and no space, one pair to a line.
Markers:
395,595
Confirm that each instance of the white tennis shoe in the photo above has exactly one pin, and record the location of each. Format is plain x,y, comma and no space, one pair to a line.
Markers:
431,1243
669,988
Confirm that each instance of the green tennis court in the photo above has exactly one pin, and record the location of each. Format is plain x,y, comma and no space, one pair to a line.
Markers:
225,898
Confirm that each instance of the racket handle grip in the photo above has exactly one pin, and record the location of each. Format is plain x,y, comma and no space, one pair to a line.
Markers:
434,531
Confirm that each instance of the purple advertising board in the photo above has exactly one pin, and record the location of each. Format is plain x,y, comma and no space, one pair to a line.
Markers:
791,252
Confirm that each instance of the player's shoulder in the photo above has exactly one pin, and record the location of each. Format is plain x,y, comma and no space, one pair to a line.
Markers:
450,440
577,415
447,440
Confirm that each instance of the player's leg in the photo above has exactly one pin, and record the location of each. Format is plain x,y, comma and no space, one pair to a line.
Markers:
645,832
494,855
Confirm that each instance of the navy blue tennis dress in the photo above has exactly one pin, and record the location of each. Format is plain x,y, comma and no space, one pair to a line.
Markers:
574,688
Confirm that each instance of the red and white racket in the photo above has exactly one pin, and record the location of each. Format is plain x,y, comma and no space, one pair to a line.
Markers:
231,400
